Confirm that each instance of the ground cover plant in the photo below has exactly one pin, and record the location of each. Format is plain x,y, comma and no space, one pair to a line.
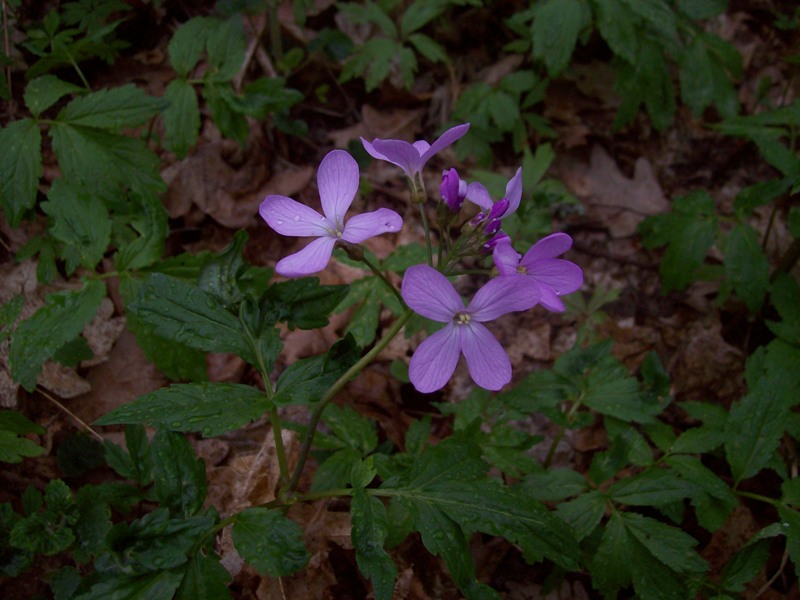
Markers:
399,300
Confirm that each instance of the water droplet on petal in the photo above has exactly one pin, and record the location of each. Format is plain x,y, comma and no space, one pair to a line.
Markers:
297,217
279,222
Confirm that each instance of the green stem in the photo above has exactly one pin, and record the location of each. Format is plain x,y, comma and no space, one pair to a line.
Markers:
280,450
758,497
335,388
559,436
77,68
275,31
427,229
379,274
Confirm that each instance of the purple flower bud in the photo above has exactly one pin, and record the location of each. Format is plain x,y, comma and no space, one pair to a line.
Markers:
495,214
500,236
453,189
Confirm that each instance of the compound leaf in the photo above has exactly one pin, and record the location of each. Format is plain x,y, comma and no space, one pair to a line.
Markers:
269,542
20,167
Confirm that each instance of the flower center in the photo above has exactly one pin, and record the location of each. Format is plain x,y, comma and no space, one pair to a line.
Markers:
461,318
522,270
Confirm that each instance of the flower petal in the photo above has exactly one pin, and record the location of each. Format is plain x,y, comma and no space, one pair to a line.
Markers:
501,295
447,138
435,359
289,217
506,259
478,194
363,226
514,192
311,259
562,276
488,363
550,300
399,153
371,150
548,247
430,294
337,179
421,146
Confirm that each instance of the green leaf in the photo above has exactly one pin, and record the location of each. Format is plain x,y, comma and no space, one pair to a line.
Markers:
688,232
9,313
20,168
104,162
583,513
701,9
655,487
41,535
207,408
420,14
714,500
746,266
148,219
309,378
336,470
647,80
659,16
556,26
205,579
181,117
158,585
219,277
14,448
226,45
41,93
112,109
179,478
619,28
181,311
59,321
187,43
426,46
137,462
269,542
226,111
370,528
371,295
80,221
372,60
785,296
554,484
745,565
755,426
304,303
352,428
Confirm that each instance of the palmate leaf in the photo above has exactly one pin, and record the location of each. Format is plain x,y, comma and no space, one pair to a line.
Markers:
59,321
41,93
449,496
207,408
187,43
555,31
112,109
20,168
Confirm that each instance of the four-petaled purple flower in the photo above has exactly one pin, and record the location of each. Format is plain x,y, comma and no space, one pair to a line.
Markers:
337,180
430,294
412,157
552,277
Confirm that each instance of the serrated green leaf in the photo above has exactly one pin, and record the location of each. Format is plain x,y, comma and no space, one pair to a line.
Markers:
205,579
188,42
714,501
112,109
334,472
104,162
269,542
352,428
583,513
619,28
181,117
303,303
371,295
655,487
609,390
80,221
61,319
697,76
181,311
307,379
41,93
14,448
745,565
137,462
148,218
65,582
370,528
556,26
785,296
226,111
39,534
219,276
746,266
179,477
207,408
226,45
554,484
754,428
648,81
790,526
659,16
20,168
372,61
426,46
420,14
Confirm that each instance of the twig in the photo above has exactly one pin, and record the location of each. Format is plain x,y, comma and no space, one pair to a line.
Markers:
80,421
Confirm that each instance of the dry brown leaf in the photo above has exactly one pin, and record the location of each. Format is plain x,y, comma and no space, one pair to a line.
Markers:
612,199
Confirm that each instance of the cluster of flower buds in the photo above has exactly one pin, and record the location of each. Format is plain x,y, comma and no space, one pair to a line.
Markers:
538,277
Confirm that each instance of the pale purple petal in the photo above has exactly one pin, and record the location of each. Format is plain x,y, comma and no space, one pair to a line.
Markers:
311,259
360,227
514,192
435,359
550,300
487,361
289,217
372,151
399,153
429,293
337,179
501,295
506,259
562,276
478,194
447,138
421,146
548,247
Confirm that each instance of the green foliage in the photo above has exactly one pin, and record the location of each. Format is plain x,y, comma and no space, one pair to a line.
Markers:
269,541
13,447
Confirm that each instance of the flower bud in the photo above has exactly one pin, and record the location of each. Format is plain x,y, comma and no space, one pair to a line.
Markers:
453,190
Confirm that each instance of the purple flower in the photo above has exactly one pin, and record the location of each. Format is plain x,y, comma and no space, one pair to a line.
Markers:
412,157
453,189
429,293
479,195
337,180
553,276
